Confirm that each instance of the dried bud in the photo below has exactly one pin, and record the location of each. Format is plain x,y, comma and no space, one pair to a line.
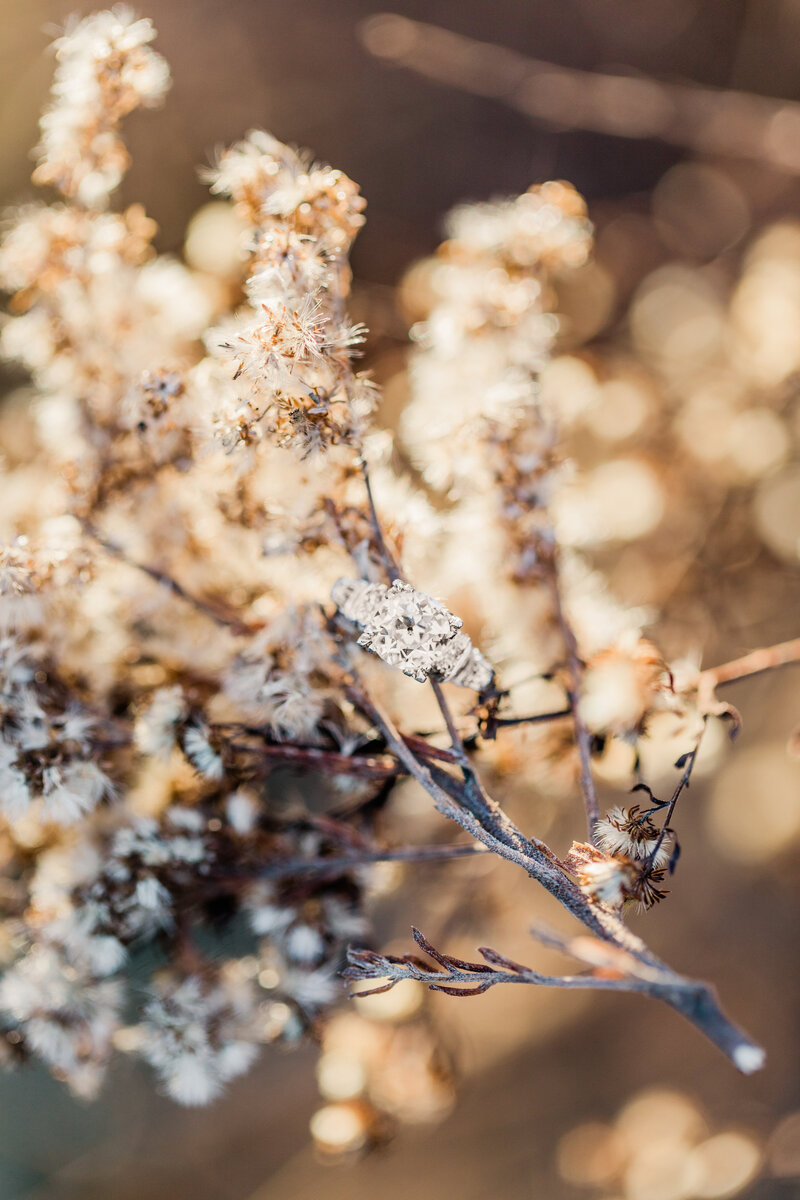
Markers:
411,630
614,879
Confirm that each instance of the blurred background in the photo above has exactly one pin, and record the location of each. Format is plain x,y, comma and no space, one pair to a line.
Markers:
679,373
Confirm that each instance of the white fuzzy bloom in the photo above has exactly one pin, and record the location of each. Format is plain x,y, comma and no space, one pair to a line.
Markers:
489,331
201,753
606,881
268,919
152,896
304,944
290,352
192,1037
15,795
410,630
241,809
99,954
72,790
312,989
155,728
272,682
66,1016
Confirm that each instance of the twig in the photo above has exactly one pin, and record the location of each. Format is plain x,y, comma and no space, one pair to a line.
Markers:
335,864
466,803
379,766
583,737
768,658
389,562
687,761
475,799
165,580
456,742
708,120
493,829
532,718
616,972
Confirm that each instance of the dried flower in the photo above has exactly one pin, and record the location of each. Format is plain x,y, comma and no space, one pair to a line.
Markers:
105,69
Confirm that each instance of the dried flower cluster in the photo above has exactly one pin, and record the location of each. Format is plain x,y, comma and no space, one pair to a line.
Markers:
193,482
292,348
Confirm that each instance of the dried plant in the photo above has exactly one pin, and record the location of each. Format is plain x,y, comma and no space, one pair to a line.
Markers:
199,542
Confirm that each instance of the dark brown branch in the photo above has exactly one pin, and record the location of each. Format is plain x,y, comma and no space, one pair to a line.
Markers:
532,718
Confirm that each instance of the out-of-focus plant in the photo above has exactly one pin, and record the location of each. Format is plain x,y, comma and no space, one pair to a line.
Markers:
198,545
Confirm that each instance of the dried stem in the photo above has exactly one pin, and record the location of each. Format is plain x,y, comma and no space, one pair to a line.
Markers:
335,864
583,737
166,581
783,654
688,761
614,972
532,718
389,563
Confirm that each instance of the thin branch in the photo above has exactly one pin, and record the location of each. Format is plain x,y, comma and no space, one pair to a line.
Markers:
702,119
377,766
466,802
687,761
611,972
492,828
532,718
456,742
335,864
583,737
166,581
768,658
389,562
